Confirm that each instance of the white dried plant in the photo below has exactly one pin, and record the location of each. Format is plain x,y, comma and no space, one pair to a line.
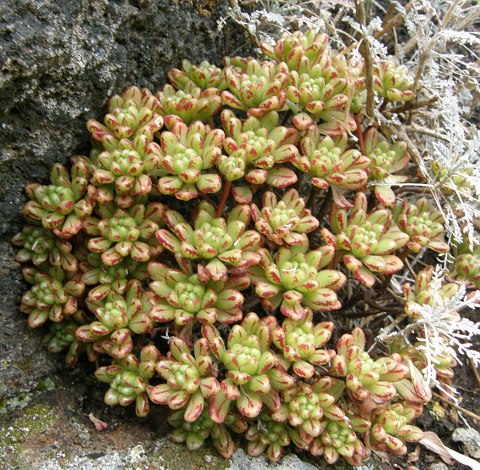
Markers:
438,329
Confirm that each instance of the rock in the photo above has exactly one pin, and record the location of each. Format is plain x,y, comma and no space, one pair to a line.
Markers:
469,439
241,461
60,60
438,466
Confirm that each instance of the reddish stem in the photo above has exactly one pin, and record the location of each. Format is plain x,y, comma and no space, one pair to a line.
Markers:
226,192
361,142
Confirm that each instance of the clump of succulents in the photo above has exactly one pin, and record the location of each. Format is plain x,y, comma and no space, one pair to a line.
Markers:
181,258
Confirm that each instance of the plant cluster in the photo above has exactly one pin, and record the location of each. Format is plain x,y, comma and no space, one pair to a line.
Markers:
216,243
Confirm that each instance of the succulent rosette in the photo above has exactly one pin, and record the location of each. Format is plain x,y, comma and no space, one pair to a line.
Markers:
385,159
258,89
53,295
415,389
423,225
391,429
299,50
339,438
257,148
117,318
301,344
122,173
458,179
222,243
366,241
187,154
203,75
63,205
251,378
184,298
467,266
122,233
284,222
296,281
195,434
329,164
322,94
131,114
365,377
106,279
189,379
393,82
267,436
38,246
61,336
305,405
128,378
189,104
427,293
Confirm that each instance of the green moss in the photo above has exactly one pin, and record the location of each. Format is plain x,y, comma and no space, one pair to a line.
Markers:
173,456
20,400
13,435
46,384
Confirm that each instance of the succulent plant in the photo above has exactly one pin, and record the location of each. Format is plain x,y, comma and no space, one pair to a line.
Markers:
300,51
305,405
414,389
248,362
221,242
301,344
339,438
39,245
284,222
131,114
184,298
454,180
366,241
423,225
296,280
426,293
365,377
194,434
385,159
258,89
189,104
203,75
61,336
53,295
63,205
393,82
467,266
391,429
267,435
123,172
257,148
122,233
117,318
320,93
189,379
235,288
128,378
186,155
106,279
329,164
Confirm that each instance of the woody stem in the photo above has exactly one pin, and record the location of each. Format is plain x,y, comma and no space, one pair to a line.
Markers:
226,192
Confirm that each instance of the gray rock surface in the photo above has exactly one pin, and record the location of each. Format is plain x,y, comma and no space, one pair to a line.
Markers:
469,439
438,466
60,60
242,461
